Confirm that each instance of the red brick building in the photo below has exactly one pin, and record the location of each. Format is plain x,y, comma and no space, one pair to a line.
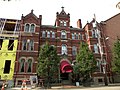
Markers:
111,30
66,38
97,44
28,47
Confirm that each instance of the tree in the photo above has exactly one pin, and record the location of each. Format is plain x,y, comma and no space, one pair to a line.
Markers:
85,63
48,61
116,57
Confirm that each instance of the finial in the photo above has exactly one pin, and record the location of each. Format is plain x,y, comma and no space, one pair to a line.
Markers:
32,11
62,8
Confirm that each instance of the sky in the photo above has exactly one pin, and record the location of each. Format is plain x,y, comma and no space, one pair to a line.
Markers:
78,9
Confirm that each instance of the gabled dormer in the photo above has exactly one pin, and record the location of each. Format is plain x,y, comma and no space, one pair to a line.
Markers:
62,19
31,18
30,22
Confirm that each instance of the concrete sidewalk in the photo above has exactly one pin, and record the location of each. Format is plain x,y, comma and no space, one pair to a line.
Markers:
73,87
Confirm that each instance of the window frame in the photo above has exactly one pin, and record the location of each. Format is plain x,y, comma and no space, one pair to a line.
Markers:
64,49
63,34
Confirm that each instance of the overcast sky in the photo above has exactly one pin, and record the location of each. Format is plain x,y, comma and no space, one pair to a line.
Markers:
78,9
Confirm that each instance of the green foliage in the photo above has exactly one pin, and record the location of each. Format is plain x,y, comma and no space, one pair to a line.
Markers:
116,57
85,62
48,61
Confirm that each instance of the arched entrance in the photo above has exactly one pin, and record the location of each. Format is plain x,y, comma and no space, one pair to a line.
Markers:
65,70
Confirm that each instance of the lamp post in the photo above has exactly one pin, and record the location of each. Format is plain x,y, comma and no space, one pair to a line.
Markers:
104,72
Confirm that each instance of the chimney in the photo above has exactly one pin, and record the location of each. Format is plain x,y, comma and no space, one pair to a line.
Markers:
79,24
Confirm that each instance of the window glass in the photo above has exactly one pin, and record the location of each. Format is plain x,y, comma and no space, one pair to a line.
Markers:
76,36
74,50
22,65
73,36
43,33
53,34
31,45
64,49
95,48
29,65
27,27
32,28
80,36
63,35
24,45
48,34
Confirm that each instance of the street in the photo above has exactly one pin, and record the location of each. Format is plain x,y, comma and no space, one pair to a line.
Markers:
76,88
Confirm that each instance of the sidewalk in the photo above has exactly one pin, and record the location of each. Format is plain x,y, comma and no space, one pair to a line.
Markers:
67,87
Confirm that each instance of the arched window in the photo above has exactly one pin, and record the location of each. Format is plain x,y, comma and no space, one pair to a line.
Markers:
53,34
32,29
63,35
43,33
95,48
74,50
22,65
31,45
24,45
73,36
48,34
29,69
64,49
27,27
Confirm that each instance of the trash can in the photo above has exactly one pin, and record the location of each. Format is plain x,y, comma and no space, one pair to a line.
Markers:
77,84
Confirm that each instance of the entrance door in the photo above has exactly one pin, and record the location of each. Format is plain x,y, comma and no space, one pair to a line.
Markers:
65,76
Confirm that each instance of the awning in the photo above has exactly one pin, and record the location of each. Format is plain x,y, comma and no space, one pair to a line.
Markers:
65,66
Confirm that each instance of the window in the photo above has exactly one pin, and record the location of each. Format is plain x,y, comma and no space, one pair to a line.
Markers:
24,45
63,35
32,29
63,23
29,65
64,49
94,24
22,65
94,34
74,50
95,48
80,36
43,33
53,34
76,36
7,67
48,34
31,45
98,33
11,45
73,36
27,27
1,41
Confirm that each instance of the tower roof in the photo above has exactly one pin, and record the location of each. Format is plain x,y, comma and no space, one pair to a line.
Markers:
63,13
